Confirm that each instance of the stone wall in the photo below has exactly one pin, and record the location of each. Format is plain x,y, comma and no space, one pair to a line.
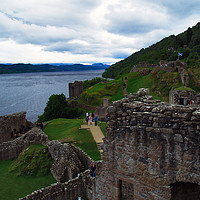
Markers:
12,149
75,89
184,97
69,160
150,146
81,186
12,125
83,157
175,66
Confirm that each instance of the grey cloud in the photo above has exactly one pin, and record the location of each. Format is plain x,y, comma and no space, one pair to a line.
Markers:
22,32
180,8
54,13
129,27
74,48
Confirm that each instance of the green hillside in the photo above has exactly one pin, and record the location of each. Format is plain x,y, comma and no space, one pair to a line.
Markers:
188,43
159,83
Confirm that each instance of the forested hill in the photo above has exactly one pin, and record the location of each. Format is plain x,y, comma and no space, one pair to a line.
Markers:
25,68
187,43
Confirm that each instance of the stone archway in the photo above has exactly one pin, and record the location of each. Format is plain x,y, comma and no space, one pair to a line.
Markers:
185,191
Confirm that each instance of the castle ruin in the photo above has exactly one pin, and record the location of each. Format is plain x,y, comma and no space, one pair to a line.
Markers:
75,89
12,126
151,151
184,96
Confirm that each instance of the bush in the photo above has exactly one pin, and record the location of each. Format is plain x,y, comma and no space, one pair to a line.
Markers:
89,83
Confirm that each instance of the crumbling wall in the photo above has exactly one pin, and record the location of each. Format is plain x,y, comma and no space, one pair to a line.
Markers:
75,89
81,186
12,125
67,163
12,149
149,146
183,97
83,157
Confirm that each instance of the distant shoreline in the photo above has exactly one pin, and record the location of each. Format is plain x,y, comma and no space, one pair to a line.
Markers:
31,68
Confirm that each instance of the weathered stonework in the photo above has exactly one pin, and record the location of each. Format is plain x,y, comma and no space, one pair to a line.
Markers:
70,161
67,161
81,186
75,89
184,97
175,66
13,125
12,149
150,148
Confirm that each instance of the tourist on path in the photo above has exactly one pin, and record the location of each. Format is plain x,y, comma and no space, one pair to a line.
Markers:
95,120
86,119
90,118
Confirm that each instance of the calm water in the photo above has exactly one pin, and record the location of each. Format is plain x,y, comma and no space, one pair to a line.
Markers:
30,92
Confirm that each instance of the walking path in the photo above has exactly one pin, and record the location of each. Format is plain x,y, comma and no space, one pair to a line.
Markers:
97,134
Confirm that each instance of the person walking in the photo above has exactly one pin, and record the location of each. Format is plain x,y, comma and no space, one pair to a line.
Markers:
95,120
86,120
90,118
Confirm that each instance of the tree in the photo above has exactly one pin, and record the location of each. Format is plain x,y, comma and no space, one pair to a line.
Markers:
57,107
188,35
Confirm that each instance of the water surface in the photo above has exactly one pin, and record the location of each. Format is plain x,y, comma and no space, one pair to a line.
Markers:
30,91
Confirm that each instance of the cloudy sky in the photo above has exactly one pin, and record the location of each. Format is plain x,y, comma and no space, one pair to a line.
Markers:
88,31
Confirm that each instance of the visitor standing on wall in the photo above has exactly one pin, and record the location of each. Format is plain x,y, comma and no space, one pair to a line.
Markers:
93,167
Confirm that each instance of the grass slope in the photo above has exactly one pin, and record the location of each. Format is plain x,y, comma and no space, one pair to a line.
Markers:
35,160
67,130
159,83
14,187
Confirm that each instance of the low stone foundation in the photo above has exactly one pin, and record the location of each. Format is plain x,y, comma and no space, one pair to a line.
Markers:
81,186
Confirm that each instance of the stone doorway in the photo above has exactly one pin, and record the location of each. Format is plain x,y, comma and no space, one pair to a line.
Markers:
185,191
181,101
126,190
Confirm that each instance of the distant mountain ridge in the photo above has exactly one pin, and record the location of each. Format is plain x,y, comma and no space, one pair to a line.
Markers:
27,68
186,43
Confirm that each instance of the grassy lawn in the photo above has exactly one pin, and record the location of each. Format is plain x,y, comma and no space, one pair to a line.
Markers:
67,130
14,187
103,127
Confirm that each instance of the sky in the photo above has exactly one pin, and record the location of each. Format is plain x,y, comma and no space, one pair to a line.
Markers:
88,31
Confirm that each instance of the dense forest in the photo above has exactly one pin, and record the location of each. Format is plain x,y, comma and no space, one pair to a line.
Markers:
187,43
